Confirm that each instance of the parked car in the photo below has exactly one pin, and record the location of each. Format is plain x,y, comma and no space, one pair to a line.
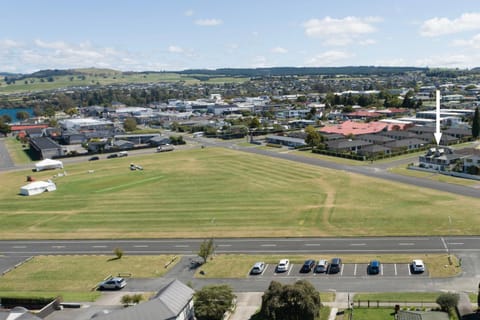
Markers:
112,283
113,155
123,154
321,267
283,265
307,266
94,158
374,267
417,266
258,268
335,265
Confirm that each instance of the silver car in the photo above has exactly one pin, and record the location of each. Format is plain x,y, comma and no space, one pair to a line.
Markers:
112,283
258,268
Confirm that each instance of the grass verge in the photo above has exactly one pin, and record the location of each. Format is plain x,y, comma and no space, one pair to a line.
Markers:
75,277
434,176
238,265
17,152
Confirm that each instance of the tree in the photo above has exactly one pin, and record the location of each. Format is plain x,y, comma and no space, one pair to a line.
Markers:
254,123
130,124
22,115
4,127
6,118
476,124
313,138
448,300
207,247
298,301
211,302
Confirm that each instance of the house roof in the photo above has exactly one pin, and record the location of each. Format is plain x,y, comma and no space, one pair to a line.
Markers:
44,143
346,143
404,143
355,128
27,126
286,139
166,304
422,315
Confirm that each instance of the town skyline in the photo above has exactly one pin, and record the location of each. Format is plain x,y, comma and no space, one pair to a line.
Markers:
173,36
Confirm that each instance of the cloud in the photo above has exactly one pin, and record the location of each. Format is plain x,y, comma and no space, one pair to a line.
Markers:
442,26
8,44
279,50
328,58
340,32
188,13
208,22
454,60
473,43
175,49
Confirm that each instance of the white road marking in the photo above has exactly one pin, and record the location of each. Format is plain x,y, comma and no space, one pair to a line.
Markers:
19,247
456,243
182,246
99,246
395,266
291,268
444,244
224,245
406,244
141,246
408,267
58,247
312,244
268,245
355,270
264,270
381,270
358,244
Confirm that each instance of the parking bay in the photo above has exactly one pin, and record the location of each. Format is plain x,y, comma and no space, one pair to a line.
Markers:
348,270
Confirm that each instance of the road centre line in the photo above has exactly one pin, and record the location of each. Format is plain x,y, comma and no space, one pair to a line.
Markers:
141,246
19,247
456,243
268,245
406,244
99,246
182,246
358,244
224,245
312,244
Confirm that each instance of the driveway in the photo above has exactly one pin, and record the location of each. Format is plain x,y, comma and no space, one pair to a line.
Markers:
247,304
5,160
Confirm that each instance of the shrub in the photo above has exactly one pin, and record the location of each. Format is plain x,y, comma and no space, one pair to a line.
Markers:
118,253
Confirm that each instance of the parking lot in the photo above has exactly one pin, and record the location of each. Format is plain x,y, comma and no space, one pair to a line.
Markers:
347,270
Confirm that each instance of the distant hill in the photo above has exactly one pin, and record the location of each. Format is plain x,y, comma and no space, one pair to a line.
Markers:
289,71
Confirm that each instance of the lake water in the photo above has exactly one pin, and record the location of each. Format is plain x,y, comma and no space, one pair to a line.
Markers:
13,113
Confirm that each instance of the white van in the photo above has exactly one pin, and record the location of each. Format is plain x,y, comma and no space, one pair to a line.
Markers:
123,154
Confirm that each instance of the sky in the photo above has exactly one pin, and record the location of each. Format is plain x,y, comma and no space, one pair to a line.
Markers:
171,35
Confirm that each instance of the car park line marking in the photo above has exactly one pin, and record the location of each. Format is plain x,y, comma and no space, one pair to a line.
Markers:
381,270
409,272
406,244
291,268
355,270
395,267
341,271
265,269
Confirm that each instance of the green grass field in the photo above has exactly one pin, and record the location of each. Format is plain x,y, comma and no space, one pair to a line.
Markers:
75,277
224,193
105,77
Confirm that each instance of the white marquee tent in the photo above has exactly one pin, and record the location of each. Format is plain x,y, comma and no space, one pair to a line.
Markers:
37,187
48,164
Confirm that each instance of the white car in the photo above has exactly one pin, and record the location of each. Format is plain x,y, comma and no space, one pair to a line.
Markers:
112,283
283,265
417,266
258,268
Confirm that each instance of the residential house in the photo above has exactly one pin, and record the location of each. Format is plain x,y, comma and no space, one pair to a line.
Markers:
286,141
355,128
405,144
399,135
173,302
375,138
45,148
439,158
374,150
347,145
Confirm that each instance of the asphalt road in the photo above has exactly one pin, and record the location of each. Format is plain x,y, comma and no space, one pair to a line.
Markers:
5,160
245,245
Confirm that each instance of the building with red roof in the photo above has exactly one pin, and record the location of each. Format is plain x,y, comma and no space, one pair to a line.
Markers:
355,128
